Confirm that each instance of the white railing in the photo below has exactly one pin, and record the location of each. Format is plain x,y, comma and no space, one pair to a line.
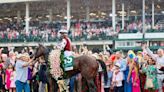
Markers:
54,43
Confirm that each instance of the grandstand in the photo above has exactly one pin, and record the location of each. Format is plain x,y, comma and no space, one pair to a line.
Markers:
117,23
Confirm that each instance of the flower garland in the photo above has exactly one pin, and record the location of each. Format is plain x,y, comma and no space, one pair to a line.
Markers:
55,64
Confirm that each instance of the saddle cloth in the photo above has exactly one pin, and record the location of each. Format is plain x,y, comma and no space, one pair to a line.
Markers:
68,63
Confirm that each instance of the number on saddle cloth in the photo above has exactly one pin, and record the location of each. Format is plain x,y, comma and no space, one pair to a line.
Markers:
68,63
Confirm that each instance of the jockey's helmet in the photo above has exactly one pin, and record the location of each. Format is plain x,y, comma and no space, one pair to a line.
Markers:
63,31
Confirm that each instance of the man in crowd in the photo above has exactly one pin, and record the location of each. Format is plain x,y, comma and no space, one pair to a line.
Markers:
23,61
159,58
120,60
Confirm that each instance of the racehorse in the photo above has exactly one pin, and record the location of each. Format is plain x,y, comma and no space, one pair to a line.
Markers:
86,65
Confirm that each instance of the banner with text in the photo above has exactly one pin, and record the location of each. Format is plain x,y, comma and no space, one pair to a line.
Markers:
130,36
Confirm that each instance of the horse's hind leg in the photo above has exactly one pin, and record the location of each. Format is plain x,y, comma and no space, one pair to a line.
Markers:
91,85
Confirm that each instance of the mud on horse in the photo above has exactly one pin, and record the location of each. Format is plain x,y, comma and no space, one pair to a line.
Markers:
86,65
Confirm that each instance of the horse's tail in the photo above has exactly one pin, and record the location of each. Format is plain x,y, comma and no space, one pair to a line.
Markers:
103,65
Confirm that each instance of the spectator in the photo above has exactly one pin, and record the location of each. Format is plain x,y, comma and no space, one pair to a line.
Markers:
151,73
122,62
12,57
160,63
117,78
108,84
22,64
5,60
12,78
9,71
134,73
1,78
127,84
42,75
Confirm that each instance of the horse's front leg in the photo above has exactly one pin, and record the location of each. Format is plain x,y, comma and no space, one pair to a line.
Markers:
91,85
50,84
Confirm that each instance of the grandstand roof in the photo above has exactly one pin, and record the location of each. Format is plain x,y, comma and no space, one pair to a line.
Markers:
16,1
78,8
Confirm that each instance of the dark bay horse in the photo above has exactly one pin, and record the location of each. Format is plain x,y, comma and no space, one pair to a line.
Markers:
86,65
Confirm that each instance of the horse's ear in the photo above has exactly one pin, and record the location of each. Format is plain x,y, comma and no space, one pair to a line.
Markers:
39,44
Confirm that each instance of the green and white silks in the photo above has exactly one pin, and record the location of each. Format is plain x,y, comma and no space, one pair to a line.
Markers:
67,60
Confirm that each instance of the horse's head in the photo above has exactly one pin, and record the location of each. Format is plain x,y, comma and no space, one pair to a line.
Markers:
40,51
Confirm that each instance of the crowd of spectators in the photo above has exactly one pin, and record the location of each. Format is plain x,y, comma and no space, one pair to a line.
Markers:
102,30
127,71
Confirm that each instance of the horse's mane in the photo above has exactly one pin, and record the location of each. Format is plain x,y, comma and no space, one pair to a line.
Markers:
104,70
44,51
52,58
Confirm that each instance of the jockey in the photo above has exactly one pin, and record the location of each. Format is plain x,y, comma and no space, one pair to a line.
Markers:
65,45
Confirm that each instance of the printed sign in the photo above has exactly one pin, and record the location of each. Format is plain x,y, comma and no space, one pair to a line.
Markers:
130,36
154,35
68,63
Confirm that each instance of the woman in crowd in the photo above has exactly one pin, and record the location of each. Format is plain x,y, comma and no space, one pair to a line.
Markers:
151,76
12,78
135,77
1,78
134,73
108,84
127,85
42,75
9,71
142,74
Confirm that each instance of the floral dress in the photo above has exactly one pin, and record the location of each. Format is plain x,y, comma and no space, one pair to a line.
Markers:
151,72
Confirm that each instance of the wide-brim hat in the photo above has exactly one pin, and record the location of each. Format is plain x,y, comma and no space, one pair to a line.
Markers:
23,55
63,31
118,65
